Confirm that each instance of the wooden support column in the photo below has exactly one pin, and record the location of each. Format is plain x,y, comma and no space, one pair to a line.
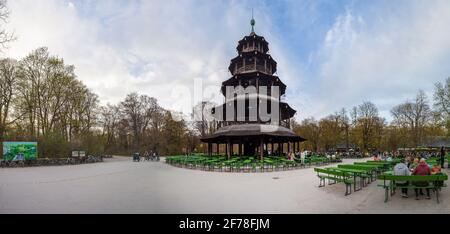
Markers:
227,152
232,149
265,65
261,149
257,100
240,149
209,149
217,148
280,149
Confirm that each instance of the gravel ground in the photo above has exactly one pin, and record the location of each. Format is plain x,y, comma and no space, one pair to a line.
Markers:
121,186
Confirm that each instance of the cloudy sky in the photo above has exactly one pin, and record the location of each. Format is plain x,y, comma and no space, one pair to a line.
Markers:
331,54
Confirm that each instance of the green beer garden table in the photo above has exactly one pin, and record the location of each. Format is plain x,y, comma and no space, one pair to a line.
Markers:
355,172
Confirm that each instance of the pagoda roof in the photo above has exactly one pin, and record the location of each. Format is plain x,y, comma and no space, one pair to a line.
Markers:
252,53
243,130
286,111
253,37
250,75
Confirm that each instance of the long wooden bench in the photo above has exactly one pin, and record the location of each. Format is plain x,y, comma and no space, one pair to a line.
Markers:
334,177
435,183
381,167
355,173
372,171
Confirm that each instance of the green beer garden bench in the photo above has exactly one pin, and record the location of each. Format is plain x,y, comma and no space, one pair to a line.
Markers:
381,167
355,173
371,171
334,177
435,183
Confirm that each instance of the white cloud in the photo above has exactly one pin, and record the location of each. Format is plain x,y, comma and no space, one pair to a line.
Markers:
150,47
153,47
385,62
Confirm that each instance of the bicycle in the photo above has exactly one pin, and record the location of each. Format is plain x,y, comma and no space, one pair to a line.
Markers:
71,161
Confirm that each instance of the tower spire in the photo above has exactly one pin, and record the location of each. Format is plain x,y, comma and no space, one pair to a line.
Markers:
252,23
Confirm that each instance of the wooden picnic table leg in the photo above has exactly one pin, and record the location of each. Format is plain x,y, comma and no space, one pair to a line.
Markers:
347,187
354,180
386,194
391,185
436,190
321,182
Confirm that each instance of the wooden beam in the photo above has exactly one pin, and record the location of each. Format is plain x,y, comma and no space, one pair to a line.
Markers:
261,149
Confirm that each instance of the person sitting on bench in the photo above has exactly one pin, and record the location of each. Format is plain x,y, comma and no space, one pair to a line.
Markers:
414,164
402,170
376,158
422,169
436,169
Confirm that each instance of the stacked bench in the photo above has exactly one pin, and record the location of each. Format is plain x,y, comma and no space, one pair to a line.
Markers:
244,163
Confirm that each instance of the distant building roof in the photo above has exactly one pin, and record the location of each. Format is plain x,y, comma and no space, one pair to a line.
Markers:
437,142
343,145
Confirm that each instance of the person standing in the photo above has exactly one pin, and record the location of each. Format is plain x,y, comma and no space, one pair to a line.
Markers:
156,155
302,157
146,156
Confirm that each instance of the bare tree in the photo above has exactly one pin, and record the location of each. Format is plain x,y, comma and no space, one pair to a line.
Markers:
203,121
5,37
442,97
309,128
413,115
330,131
140,110
442,104
367,120
32,91
345,126
110,116
8,87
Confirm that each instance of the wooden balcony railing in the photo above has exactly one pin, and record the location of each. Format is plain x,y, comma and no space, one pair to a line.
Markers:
249,68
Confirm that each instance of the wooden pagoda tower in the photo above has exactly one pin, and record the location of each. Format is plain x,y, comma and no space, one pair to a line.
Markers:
253,66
